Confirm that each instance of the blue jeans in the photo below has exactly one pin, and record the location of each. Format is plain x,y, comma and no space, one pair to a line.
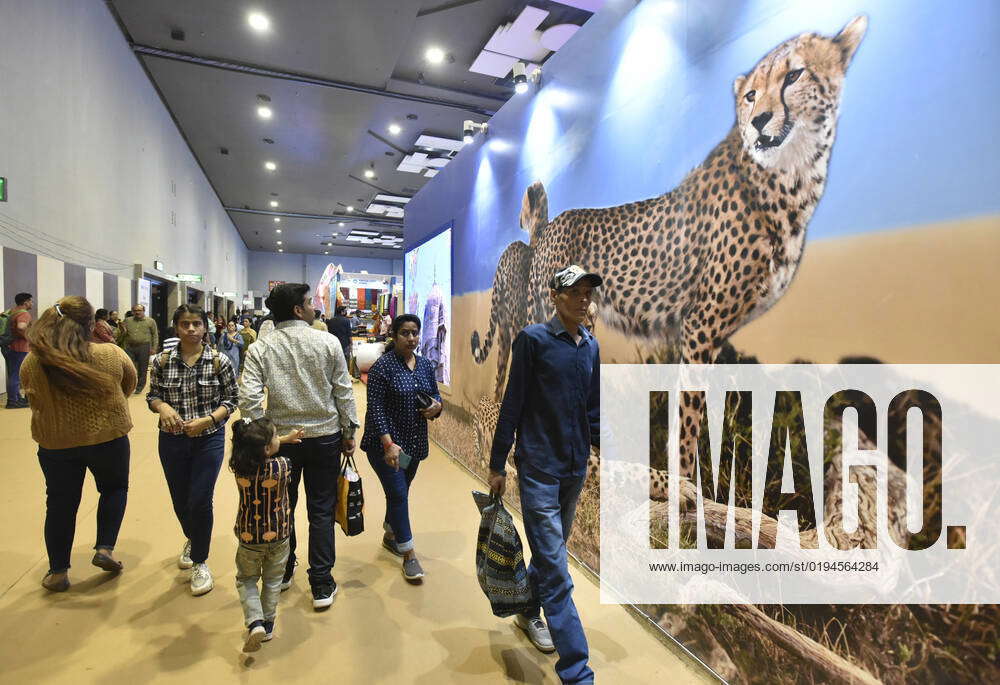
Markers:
264,562
548,505
396,485
317,462
65,471
14,360
191,466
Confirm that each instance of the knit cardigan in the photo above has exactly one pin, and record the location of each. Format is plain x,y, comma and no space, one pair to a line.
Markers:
60,420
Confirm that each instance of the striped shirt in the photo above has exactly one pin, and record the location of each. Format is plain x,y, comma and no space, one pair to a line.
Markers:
264,514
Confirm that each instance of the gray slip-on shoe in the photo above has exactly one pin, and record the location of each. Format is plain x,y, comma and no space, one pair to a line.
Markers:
537,632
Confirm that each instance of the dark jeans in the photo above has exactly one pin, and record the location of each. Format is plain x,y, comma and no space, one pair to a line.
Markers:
13,360
191,466
548,505
139,354
396,484
317,462
64,471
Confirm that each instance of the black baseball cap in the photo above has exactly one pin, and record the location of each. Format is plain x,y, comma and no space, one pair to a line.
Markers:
568,277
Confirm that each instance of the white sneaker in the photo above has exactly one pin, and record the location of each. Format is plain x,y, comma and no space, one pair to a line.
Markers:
184,560
537,632
201,580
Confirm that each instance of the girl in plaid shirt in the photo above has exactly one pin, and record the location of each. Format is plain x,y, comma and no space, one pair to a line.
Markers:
193,389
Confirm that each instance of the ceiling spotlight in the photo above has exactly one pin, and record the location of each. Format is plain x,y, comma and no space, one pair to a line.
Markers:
520,78
434,55
277,230
279,242
341,224
326,253
277,219
469,128
270,166
369,173
258,21
264,112
274,203
350,209
394,129
280,250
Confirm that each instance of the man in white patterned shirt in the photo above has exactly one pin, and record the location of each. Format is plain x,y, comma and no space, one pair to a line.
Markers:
308,388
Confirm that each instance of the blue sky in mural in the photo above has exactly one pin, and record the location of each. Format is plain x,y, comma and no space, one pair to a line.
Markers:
427,293
631,105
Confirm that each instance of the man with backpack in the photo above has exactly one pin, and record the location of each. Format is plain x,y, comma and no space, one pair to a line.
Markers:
13,328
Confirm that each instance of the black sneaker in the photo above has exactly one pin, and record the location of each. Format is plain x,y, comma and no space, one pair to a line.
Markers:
286,580
255,635
323,595
268,631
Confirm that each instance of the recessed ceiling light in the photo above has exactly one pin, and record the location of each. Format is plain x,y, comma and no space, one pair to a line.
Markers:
394,129
270,166
369,173
274,203
258,21
341,224
326,253
277,230
280,250
264,112
277,219
279,242
434,55
350,209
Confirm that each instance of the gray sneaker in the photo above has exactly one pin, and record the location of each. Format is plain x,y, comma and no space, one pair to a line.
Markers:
201,580
412,569
390,544
184,560
537,632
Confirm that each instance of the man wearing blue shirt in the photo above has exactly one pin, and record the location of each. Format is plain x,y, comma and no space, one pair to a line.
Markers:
552,405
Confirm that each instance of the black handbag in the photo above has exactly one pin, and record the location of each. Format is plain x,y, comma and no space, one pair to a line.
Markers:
350,499
424,401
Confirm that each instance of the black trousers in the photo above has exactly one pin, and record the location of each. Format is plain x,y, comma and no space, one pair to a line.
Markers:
139,354
316,461
64,471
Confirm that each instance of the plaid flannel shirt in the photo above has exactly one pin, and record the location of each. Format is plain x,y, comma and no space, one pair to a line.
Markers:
194,391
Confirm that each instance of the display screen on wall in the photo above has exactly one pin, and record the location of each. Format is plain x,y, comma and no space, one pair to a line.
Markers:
427,290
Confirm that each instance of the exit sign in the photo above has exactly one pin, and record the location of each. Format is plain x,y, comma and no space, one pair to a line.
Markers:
3,189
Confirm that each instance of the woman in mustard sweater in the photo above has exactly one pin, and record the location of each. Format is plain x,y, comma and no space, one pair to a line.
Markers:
80,419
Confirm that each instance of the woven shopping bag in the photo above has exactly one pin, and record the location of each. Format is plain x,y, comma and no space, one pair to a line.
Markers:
500,560
350,499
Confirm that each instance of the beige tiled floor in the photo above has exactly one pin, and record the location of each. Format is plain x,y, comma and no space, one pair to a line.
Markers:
144,626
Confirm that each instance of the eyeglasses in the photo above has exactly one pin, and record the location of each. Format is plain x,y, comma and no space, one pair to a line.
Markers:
409,334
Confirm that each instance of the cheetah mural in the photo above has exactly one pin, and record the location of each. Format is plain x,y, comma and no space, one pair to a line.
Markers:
697,263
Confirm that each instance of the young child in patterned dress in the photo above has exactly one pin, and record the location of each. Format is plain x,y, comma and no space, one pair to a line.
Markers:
262,523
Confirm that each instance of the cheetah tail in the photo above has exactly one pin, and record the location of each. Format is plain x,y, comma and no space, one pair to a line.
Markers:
480,353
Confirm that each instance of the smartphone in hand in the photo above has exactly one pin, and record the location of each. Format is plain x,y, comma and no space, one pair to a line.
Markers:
404,460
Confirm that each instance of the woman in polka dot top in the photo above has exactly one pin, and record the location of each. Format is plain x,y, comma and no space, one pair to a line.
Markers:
395,438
